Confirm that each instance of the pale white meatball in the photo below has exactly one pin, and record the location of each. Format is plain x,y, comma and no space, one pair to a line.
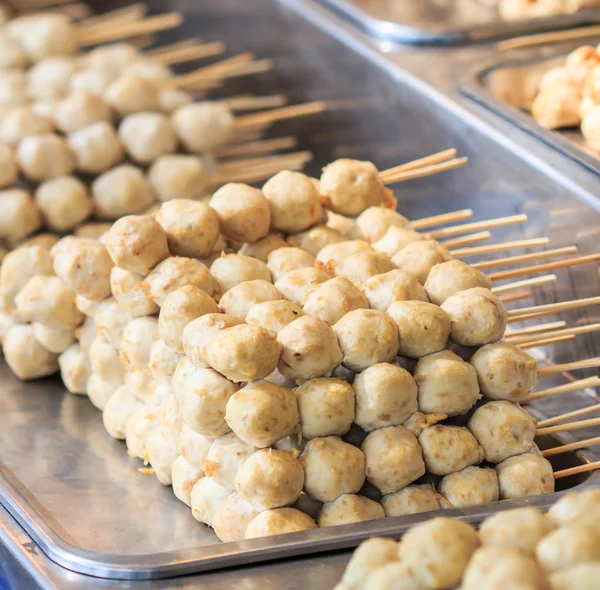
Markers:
333,255
326,407
199,332
161,456
94,230
395,239
240,299
232,519
12,55
21,122
477,317
332,468
284,260
520,528
112,57
178,176
169,420
130,93
118,409
139,337
9,169
447,449
44,240
21,264
203,397
147,136
278,522
350,186
310,349
349,509
438,551
163,362
75,369
393,458
503,429
447,278
183,477
262,248
294,284
20,215
575,507
472,486
64,203
525,475
127,289
270,479
49,301
363,266
423,327
370,555
13,89
226,456
121,191
230,270
176,272
413,499
100,390
153,404
206,497
366,337
111,320
52,339
25,356
105,361
419,257
384,289
394,576
137,431
373,223
45,156
315,239
171,99
194,446
569,545
50,78
96,149
293,200
446,384
44,35
149,69
272,315
203,126
93,80
81,109
179,308
505,372
333,299
139,383
243,212
579,577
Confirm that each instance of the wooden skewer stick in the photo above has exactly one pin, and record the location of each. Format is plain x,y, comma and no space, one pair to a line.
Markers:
121,16
187,54
535,282
545,342
566,388
582,444
516,296
75,10
419,163
544,38
534,329
434,220
170,47
576,470
569,416
263,160
549,370
519,272
426,171
538,310
262,146
251,103
466,240
568,426
477,250
525,257
152,24
267,117
466,228
565,332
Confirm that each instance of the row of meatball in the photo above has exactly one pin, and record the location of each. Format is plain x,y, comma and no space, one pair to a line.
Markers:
518,548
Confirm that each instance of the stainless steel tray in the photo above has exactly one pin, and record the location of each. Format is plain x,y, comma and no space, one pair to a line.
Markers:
77,493
508,87
445,21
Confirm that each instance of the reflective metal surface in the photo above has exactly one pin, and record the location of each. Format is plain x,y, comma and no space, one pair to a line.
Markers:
445,21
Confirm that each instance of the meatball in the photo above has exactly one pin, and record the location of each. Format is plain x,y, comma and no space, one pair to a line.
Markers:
130,93
25,356
239,300
52,339
163,362
44,35
194,446
477,317
203,126
203,397
333,255
332,468
396,239
99,391
503,429
20,265
575,507
350,186
105,361
45,156
9,169
326,407
370,556
448,449
471,486
446,384
147,136
179,176
206,497
396,285
184,476
262,413
423,327
273,315
283,260
226,456
262,248
419,257
232,518
505,372
373,223
81,109
579,577
171,100
295,283
349,509
169,419
127,289
525,475
137,432
520,528
270,479
293,200
447,278
20,215
413,499
21,122
119,408
393,458
139,337
64,203
569,545
333,299
309,349
363,266
230,270
96,149
111,320
279,521
394,576
315,239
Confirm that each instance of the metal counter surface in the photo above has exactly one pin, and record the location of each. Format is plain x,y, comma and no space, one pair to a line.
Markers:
381,113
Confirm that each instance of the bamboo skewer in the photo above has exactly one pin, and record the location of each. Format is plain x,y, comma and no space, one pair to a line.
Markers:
262,146
419,163
534,329
582,444
186,54
539,310
545,342
434,220
568,426
263,160
569,416
545,38
519,272
565,388
550,370
565,332
466,240
516,296
534,282
476,250
171,47
268,117
426,171
509,260
476,226
576,470
129,14
249,102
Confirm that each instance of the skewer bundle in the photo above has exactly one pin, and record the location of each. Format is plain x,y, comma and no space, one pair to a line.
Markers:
521,548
